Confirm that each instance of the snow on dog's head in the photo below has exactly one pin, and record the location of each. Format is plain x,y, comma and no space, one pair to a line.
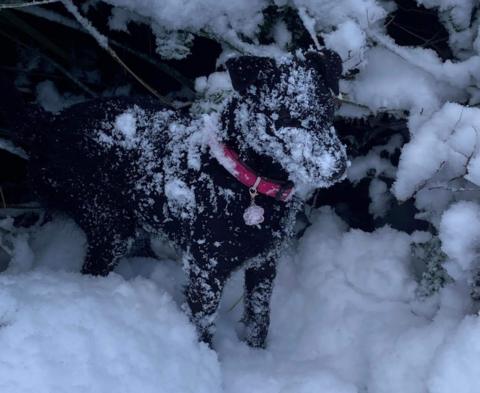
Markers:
285,110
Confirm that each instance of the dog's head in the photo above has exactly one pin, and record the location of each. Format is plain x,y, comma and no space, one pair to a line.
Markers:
285,110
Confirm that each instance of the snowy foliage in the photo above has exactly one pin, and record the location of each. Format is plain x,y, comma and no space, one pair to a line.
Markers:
433,274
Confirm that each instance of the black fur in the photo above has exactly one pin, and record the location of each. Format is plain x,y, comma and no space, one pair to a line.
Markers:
160,180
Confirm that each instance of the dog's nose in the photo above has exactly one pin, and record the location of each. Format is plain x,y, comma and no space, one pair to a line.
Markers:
340,169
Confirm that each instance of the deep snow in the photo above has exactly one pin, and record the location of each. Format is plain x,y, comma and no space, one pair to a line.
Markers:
345,319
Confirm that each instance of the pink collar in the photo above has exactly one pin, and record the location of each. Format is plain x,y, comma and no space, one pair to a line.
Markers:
279,190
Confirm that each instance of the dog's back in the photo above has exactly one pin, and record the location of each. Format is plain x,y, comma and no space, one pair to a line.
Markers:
88,152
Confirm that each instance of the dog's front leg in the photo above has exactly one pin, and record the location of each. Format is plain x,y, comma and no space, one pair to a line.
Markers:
203,293
258,290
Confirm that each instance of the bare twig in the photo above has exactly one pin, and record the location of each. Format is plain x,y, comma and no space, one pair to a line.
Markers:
22,4
4,203
412,33
185,82
237,302
73,24
422,185
31,72
102,40
452,189
62,69
34,34
309,24
7,250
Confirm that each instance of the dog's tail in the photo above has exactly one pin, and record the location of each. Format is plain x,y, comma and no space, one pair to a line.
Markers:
11,104
20,118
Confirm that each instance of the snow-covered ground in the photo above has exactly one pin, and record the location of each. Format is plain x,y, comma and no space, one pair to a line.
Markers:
345,319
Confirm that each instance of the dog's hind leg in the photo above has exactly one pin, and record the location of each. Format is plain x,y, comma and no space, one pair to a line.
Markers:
105,248
203,293
258,290
108,240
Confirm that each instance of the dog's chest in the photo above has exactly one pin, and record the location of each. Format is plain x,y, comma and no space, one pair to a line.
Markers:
202,208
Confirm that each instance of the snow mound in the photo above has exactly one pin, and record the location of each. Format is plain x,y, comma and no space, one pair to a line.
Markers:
450,136
457,366
345,319
62,332
459,233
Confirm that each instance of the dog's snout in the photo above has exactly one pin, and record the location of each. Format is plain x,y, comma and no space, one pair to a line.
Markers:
340,169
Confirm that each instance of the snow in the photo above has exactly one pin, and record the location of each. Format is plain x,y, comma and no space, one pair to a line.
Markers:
126,124
50,99
345,319
456,366
99,37
347,311
381,84
459,232
192,15
72,333
65,332
450,136
349,41
380,197
181,199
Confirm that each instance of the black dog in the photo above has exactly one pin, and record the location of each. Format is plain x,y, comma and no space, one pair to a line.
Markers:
122,165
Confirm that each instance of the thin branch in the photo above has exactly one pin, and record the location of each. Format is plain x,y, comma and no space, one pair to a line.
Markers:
187,83
422,185
27,4
102,40
54,63
73,24
31,72
36,35
452,189
309,24
410,32
2,195
237,302
7,250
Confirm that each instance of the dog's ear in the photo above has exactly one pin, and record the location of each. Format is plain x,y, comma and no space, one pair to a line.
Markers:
247,71
329,64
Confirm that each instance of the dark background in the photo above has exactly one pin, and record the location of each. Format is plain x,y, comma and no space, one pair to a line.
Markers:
24,38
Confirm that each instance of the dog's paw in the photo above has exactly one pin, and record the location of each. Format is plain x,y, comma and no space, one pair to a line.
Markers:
253,334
